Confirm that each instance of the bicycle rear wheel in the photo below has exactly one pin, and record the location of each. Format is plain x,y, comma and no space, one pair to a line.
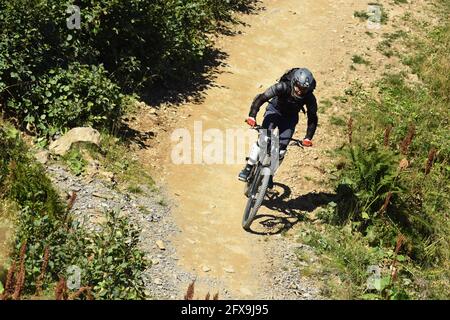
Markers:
256,196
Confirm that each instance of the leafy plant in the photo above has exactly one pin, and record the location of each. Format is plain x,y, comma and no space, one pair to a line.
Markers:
110,260
78,96
53,77
75,161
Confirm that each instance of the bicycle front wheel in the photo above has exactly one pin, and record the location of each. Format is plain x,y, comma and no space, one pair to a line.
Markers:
256,196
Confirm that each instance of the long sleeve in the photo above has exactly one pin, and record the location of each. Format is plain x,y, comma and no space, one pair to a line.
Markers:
313,120
274,90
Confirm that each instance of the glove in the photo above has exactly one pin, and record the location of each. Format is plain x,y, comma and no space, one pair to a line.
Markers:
251,121
307,143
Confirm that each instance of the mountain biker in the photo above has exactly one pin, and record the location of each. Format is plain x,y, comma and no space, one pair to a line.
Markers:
287,97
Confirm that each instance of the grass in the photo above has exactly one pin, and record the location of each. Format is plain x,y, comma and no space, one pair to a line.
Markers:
386,45
411,229
135,189
163,202
341,99
337,121
359,60
343,258
114,157
362,15
325,105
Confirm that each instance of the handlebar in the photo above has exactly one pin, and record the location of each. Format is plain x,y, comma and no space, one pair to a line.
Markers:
296,142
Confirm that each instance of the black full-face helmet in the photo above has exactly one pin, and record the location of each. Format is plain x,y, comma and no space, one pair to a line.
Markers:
301,82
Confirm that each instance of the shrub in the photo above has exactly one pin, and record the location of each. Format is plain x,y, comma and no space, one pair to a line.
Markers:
53,77
81,95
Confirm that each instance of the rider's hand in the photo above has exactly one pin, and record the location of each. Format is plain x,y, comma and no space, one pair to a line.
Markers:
251,121
307,143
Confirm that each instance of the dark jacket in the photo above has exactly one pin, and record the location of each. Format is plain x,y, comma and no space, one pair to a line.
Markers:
288,105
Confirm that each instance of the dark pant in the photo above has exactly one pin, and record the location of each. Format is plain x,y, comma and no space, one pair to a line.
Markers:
286,125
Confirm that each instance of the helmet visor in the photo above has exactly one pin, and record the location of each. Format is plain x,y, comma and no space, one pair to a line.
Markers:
298,90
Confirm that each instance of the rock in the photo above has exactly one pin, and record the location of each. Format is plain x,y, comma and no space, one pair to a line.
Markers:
80,134
403,164
160,245
157,281
155,261
108,175
103,196
94,165
206,269
246,292
229,269
190,241
42,156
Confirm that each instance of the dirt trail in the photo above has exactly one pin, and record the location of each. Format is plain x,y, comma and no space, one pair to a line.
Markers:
209,198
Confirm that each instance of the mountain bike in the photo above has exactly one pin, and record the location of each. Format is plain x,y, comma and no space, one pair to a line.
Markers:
259,177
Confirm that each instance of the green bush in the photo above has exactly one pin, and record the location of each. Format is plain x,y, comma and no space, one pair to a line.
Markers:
47,76
115,271
370,174
80,95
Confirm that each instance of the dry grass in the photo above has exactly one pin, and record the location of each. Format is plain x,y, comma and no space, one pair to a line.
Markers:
387,134
20,280
350,129
72,199
10,281
61,290
430,160
404,147
41,277
386,202
83,290
191,290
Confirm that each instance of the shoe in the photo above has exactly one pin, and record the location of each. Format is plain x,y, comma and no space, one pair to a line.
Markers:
270,184
243,175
